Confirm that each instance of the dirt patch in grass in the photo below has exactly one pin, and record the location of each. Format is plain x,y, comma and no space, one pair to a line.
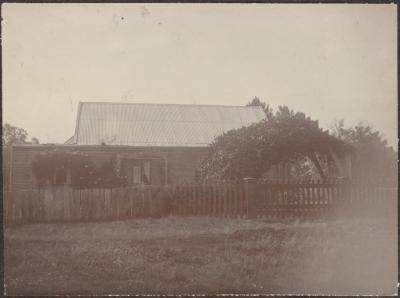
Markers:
202,255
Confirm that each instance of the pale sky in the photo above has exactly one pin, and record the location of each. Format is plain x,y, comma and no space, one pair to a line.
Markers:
327,60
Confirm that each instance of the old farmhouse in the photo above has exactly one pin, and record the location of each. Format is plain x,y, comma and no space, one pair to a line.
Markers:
148,143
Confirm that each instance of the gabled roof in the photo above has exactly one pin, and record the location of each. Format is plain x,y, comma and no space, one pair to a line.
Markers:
142,124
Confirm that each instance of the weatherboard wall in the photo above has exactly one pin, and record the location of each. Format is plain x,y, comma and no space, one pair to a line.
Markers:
181,162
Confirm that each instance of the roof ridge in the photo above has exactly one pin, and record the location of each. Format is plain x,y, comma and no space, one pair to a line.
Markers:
165,104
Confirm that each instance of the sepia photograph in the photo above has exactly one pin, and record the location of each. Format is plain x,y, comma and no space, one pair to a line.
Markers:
199,149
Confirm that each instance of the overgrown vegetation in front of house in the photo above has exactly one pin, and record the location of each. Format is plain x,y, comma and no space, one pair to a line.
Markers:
52,165
282,137
285,136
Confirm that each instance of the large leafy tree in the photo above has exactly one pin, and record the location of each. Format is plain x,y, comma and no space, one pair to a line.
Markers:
372,158
281,137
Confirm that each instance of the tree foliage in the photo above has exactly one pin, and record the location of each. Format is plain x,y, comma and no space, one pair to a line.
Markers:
372,158
281,137
257,102
15,135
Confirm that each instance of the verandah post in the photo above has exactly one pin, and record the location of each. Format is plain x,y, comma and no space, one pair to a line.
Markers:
250,196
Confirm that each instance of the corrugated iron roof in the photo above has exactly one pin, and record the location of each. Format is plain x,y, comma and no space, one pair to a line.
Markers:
142,124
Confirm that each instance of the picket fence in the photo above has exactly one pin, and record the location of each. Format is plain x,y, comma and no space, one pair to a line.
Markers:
317,199
245,198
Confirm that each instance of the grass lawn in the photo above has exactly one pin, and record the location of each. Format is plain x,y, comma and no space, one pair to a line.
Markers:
202,255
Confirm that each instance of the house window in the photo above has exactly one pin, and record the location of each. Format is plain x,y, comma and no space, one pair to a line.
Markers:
141,172
146,173
137,174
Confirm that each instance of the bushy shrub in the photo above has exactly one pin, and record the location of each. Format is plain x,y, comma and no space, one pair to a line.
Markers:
84,173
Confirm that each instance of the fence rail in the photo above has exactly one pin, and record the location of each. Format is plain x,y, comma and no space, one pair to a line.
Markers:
227,199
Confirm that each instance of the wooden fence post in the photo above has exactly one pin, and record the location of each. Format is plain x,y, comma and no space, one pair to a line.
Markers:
250,196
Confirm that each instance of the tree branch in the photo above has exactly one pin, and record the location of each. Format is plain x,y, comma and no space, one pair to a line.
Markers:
315,161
